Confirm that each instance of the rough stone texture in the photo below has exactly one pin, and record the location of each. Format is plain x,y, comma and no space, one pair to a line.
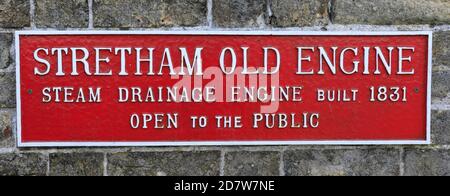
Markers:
430,162
6,128
5,50
240,13
164,163
440,127
76,164
295,13
29,164
353,162
441,50
14,13
389,12
7,90
144,13
60,14
252,164
317,160
441,86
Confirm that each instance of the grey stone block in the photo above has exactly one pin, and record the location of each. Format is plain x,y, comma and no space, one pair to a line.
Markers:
164,163
440,127
7,90
342,162
149,14
389,12
5,50
62,14
6,128
15,13
27,164
76,164
240,13
252,163
441,50
441,86
299,13
427,162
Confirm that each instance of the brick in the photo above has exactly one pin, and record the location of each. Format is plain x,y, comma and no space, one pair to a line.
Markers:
7,90
62,14
441,50
150,14
427,162
6,128
5,50
164,163
28,164
240,13
76,164
389,12
252,164
441,86
299,13
15,13
342,162
440,127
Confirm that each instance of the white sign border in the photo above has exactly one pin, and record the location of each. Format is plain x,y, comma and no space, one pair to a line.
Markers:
224,143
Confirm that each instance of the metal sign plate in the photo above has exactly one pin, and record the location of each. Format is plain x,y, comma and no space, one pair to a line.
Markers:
113,88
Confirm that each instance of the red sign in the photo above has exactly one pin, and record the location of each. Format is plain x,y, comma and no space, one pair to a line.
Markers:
222,88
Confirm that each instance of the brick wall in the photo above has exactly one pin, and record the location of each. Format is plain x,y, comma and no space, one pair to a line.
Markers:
320,15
